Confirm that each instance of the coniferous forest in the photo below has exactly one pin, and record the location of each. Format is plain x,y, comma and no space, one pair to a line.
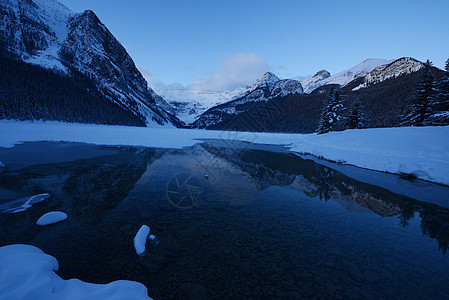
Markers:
29,92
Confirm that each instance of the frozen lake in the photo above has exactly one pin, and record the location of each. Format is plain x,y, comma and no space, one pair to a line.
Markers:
230,220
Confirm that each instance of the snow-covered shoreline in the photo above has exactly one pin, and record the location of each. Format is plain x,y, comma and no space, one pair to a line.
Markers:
26,272
420,151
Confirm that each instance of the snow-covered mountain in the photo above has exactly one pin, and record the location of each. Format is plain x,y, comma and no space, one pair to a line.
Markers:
401,66
344,77
188,104
310,83
46,33
267,87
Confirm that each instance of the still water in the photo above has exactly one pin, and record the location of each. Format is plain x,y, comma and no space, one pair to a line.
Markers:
230,222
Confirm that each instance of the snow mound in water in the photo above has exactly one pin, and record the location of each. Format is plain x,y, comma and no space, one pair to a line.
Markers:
51,218
24,206
26,272
140,239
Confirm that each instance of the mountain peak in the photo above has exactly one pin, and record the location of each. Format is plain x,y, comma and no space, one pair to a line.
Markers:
398,67
89,14
344,77
266,80
269,74
310,83
268,77
322,73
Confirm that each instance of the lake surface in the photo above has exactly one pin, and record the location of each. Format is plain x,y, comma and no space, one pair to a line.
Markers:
231,221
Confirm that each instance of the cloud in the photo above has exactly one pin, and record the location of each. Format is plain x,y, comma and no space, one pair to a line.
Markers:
153,82
235,71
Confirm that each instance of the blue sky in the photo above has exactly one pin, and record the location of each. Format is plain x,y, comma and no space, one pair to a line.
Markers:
223,44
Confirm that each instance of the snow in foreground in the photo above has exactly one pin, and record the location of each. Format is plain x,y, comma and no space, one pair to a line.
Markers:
26,272
421,151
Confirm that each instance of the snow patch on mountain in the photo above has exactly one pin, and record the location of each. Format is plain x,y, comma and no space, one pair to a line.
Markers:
34,30
401,66
310,83
267,80
286,87
345,77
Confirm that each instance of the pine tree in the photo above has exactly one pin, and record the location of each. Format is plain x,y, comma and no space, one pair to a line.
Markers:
423,101
331,113
443,88
356,118
441,111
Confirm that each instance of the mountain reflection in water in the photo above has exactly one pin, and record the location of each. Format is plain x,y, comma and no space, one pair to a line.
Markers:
230,222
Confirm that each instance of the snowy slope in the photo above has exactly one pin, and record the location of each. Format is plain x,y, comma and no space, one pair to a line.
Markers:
35,44
421,151
348,75
46,33
310,83
401,66
267,87
267,80
188,104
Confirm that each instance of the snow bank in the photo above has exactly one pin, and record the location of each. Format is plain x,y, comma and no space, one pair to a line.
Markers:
26,272
140,240
421,151
23,205
51,218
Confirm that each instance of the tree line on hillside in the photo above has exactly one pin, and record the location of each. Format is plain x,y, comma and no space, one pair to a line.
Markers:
428,105
29,92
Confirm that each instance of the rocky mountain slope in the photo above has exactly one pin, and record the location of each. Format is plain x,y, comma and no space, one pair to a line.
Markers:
311,83
267,87
46,33
344,77
401,66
